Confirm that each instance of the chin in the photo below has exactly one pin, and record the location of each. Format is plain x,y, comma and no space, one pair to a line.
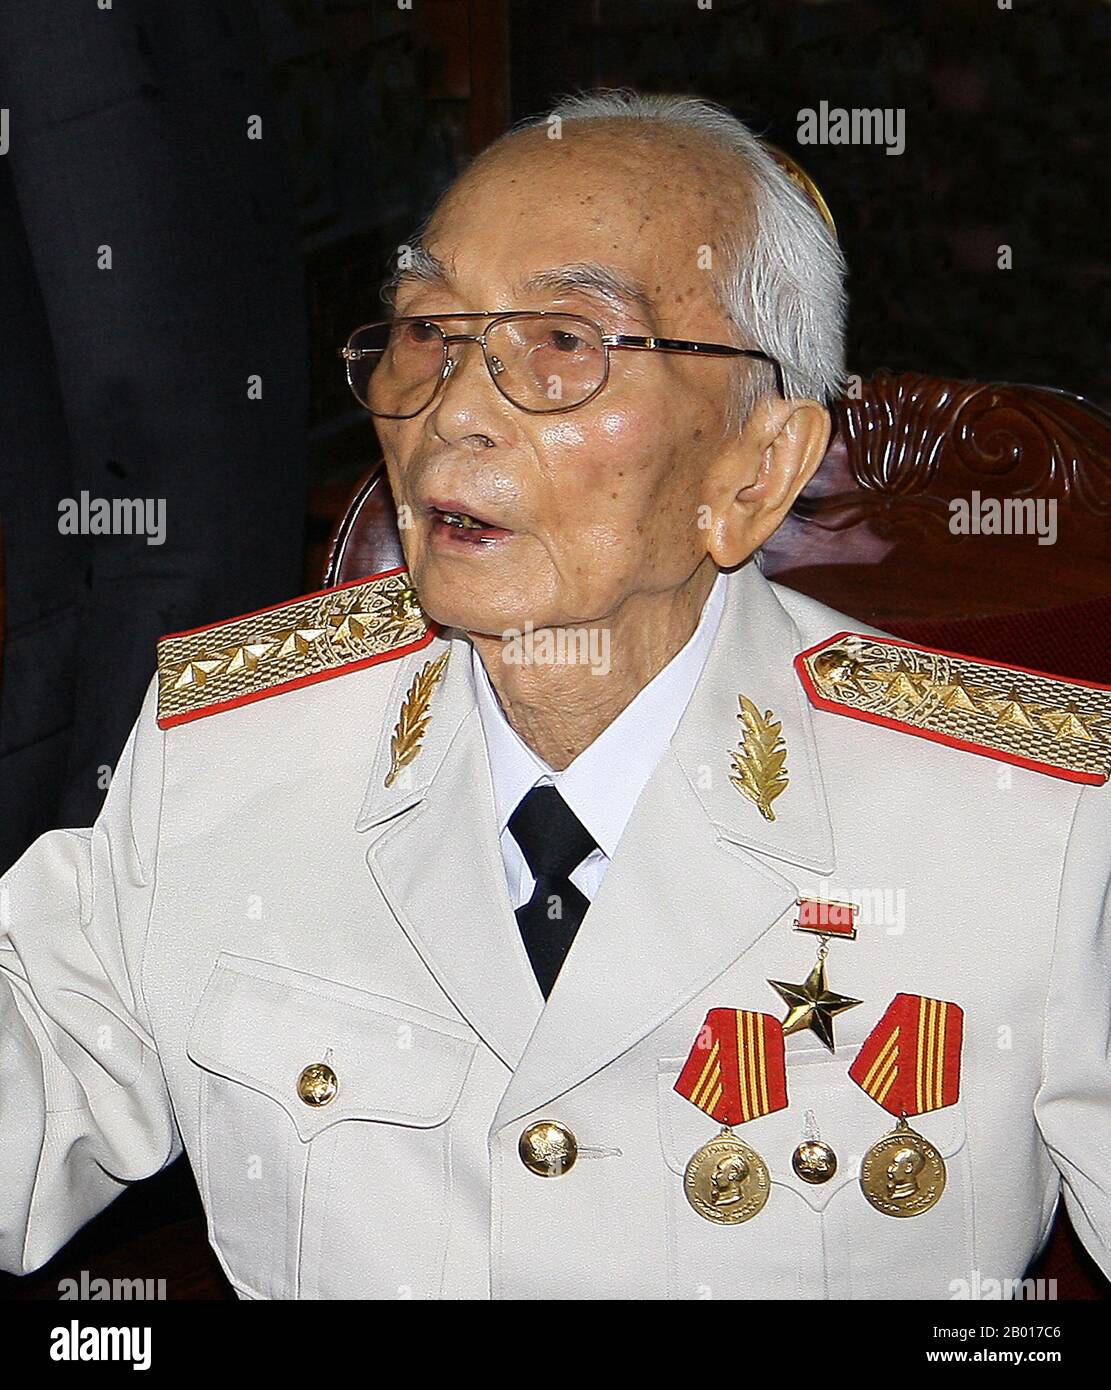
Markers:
478,603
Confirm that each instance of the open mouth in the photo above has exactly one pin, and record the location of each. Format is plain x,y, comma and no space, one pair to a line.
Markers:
455,526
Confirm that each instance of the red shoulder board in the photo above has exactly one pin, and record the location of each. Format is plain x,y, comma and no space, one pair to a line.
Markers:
1034,720
308,639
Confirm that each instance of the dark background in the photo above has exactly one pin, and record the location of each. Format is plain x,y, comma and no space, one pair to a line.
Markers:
1008,138
374,110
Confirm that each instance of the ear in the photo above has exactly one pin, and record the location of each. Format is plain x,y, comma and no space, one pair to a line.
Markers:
752,484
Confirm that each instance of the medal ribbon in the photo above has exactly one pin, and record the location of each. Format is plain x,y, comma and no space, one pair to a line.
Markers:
826,918
736,1069
910,1062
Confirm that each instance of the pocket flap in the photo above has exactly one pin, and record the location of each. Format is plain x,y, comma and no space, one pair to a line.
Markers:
261,1025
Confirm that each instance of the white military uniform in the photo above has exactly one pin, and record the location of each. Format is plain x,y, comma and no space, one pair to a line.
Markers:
255,899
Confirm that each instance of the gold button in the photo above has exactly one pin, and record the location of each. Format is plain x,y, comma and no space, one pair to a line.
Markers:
317,1084
548,1149
814,1161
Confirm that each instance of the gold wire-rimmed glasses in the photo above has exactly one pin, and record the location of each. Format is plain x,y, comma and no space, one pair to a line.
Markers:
541,361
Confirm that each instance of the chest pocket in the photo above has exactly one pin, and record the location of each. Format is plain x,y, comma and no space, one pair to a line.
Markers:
816,1240
321,1200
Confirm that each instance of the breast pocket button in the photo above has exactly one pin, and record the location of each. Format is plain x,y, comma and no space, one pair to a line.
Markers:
814,1161
317,1084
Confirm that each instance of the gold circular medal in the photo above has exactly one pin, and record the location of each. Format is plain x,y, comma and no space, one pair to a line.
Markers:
726,1181
813,1161
902,1174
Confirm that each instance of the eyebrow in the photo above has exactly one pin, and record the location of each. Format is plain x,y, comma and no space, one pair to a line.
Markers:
616,288
602,282
421,266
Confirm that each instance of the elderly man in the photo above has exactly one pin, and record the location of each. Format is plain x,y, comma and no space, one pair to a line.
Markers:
513,945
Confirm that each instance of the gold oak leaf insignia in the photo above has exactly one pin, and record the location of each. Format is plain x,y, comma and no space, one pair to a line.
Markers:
413,719
759,765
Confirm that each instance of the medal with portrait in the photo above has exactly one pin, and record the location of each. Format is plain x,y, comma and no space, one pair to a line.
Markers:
909,1064
735,1073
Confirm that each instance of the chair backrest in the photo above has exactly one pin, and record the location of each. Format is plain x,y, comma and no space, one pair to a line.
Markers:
963,515
365,540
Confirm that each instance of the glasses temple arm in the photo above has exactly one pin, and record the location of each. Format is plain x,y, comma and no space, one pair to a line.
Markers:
624,340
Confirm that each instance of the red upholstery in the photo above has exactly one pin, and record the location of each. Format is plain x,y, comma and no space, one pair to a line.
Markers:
1071,641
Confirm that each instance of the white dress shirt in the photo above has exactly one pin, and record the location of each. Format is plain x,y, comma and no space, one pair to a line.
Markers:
603,783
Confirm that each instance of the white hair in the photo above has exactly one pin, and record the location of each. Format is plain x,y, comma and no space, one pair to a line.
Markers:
783,281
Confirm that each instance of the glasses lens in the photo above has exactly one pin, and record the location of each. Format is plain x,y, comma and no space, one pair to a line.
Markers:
394,368
546,362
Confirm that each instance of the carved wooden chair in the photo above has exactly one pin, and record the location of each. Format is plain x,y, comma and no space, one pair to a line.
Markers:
872,537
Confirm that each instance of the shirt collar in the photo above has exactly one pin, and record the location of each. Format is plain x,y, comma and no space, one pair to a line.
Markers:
603,783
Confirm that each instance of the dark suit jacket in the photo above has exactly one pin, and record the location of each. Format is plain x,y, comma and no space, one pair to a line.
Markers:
128,129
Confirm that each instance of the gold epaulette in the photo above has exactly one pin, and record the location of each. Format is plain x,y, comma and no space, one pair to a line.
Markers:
307,639
1046,723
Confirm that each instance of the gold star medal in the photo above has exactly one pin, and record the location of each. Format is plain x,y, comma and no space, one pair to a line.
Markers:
736,1072
813,1004
910,1064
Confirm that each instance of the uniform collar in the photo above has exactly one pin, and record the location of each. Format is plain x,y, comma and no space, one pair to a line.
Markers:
603,784
750,653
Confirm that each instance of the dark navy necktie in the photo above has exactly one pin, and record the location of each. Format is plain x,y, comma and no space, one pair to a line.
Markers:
554,842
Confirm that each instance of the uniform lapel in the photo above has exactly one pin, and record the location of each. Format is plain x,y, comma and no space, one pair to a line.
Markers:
699,875
435,857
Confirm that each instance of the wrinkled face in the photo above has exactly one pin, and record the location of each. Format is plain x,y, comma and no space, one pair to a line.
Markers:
579,511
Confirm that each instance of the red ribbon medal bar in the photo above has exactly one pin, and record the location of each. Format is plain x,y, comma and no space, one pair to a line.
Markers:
827,917
910,1064
736,1072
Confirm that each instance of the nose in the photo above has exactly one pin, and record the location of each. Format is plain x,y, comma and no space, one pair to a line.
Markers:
469,408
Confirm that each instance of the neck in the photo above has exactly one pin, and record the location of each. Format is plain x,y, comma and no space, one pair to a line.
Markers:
556,702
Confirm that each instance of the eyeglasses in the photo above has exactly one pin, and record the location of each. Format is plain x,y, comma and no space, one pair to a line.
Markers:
541,362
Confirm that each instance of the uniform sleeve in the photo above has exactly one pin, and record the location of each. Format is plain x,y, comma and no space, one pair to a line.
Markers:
83,1103
1073,1103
